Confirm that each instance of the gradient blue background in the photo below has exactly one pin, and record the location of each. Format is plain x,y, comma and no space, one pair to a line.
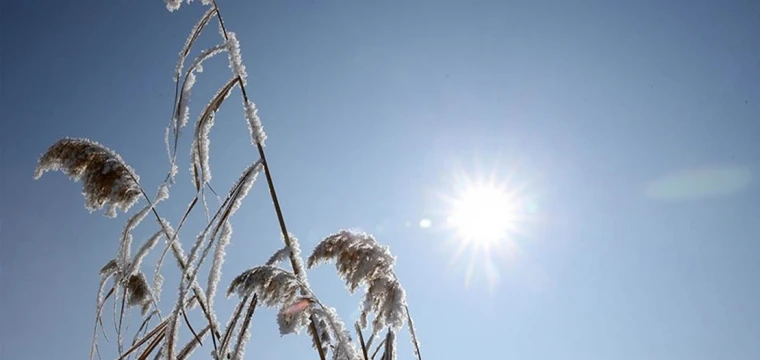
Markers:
631,128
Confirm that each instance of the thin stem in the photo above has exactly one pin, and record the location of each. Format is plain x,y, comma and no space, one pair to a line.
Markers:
174,244
413,332
361,340
377,349
119,341
270,184
317,340
245,325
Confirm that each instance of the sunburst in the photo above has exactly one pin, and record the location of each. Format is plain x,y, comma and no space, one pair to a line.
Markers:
486,216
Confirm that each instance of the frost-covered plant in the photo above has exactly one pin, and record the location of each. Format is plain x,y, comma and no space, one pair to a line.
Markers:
108,182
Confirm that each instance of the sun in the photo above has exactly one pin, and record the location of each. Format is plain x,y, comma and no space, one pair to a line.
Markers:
487,215
484,214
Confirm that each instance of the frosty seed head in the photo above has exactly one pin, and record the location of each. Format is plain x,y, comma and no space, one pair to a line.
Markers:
107,180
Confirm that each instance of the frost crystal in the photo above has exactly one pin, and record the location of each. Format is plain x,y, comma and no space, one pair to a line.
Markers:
173,5
200,149
258,136
143,251
235,58
215,272
245,183
183,109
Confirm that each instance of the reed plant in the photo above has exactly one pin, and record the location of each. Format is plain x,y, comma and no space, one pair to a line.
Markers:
111,185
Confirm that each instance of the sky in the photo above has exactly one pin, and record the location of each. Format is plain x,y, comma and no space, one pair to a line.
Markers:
627,131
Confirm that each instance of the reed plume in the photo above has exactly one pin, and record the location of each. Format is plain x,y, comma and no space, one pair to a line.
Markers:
107,180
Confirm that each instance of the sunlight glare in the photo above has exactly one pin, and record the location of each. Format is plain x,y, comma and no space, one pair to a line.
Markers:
484,214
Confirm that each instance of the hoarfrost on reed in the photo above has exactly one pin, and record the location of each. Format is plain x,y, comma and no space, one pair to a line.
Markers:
183,109
387,300
274,286
148,245
258,136
343,349
235,57
360,260
294,316
320,331
202,22
173,5
138,289
215,273
358,257
279,256
107,180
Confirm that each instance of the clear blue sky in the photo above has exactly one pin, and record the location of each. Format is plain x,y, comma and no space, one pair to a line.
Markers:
631,127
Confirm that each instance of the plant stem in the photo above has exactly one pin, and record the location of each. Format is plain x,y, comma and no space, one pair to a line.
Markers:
413,332
272,192
361,339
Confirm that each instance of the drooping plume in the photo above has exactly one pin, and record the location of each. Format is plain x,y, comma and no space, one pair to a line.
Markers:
279,256
358,257
138,290
274,286
361,261
107,180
